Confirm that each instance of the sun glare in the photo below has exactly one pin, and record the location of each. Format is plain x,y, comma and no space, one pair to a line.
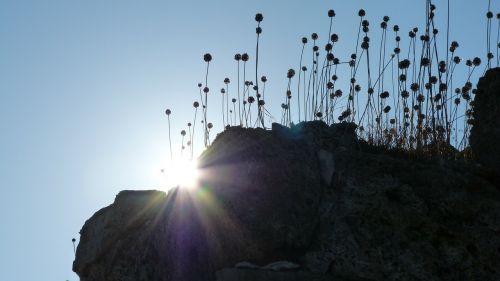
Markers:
183,173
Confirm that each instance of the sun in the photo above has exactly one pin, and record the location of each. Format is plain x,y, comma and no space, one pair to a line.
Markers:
182,173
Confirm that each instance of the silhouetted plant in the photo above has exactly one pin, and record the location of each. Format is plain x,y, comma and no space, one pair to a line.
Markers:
408,101
168,112
74,246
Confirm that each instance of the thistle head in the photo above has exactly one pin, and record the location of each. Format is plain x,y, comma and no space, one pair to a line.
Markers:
259,17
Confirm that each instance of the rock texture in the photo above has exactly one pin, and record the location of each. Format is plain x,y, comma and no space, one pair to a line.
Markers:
485,134
309,202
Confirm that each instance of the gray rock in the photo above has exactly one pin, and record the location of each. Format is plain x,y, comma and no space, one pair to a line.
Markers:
485,133
265,198
232,274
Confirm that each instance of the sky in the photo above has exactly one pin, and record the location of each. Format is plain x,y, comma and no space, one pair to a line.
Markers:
84,86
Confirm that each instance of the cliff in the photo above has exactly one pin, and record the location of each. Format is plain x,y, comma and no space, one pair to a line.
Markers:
309,202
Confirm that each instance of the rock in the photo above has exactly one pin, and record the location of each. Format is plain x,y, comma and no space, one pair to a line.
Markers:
281,266
246,265
265,196
232,274
326,165
485,133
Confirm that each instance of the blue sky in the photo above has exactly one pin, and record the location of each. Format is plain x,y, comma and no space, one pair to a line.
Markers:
84,86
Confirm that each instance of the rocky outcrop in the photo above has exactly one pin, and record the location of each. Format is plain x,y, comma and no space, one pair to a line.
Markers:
485,134
311,198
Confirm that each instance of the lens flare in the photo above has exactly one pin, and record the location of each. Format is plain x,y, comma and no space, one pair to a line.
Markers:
182,173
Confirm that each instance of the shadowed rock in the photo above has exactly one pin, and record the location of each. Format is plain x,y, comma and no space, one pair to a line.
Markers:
485,134
307,195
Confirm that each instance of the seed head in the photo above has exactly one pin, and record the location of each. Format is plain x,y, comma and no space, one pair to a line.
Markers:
263,79
334,37
387,109
314,36
304,40
223,91
420,98
207,57
196,104
245,57
396,28
331,13
183,132
290,73
210,125
361,13
259,17
258,30
237,57
384,95
489,14
168,112
404,64
414,87
206,90
233,100
476,61
226,81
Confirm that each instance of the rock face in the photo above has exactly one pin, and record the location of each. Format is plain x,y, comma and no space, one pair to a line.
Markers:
485,134
303,203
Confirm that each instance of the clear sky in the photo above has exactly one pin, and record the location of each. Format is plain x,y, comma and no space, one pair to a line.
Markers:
84,86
